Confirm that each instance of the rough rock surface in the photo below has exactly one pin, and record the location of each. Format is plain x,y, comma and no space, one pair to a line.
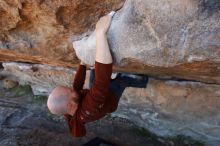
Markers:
42,78
43,29
173,107
165,38
168,38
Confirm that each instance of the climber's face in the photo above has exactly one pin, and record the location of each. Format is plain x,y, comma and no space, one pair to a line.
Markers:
63,100
73,101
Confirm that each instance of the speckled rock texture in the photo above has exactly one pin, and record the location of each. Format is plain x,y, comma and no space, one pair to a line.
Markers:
165,38
42,78
168,108
41,31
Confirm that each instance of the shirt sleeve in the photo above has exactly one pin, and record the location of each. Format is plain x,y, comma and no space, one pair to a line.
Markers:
92,104
90,107
76,128
79,78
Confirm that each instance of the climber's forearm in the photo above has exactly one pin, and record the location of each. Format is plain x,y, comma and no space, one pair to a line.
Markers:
103,54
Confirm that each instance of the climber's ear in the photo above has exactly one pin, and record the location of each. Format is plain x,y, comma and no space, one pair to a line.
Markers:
74,96
72,107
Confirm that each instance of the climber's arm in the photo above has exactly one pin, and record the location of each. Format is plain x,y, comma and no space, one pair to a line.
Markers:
91,108
79,77
103,54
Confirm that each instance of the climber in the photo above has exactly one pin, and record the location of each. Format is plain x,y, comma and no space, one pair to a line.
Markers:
80,106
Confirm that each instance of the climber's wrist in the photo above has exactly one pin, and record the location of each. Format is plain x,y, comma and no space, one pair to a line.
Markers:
100,36
100,33
81,63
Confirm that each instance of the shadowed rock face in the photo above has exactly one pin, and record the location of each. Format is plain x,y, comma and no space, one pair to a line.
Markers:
42,78
25,120
209,7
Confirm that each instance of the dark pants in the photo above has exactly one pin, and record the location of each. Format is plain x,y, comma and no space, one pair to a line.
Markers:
118,85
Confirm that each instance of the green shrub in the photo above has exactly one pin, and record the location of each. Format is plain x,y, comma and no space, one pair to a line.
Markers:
23,90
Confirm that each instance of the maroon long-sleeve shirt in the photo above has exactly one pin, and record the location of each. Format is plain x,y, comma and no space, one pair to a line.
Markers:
94,103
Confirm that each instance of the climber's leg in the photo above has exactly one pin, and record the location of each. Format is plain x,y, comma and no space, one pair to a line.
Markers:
91,77
116,88
135,80
122,81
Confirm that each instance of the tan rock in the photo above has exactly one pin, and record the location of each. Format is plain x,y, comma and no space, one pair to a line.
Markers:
8,84
45,29
42,78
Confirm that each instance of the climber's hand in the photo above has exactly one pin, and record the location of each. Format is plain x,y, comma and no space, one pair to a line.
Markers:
90,66
82,63
103,24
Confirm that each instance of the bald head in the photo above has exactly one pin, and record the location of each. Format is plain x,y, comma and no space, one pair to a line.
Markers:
62,100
